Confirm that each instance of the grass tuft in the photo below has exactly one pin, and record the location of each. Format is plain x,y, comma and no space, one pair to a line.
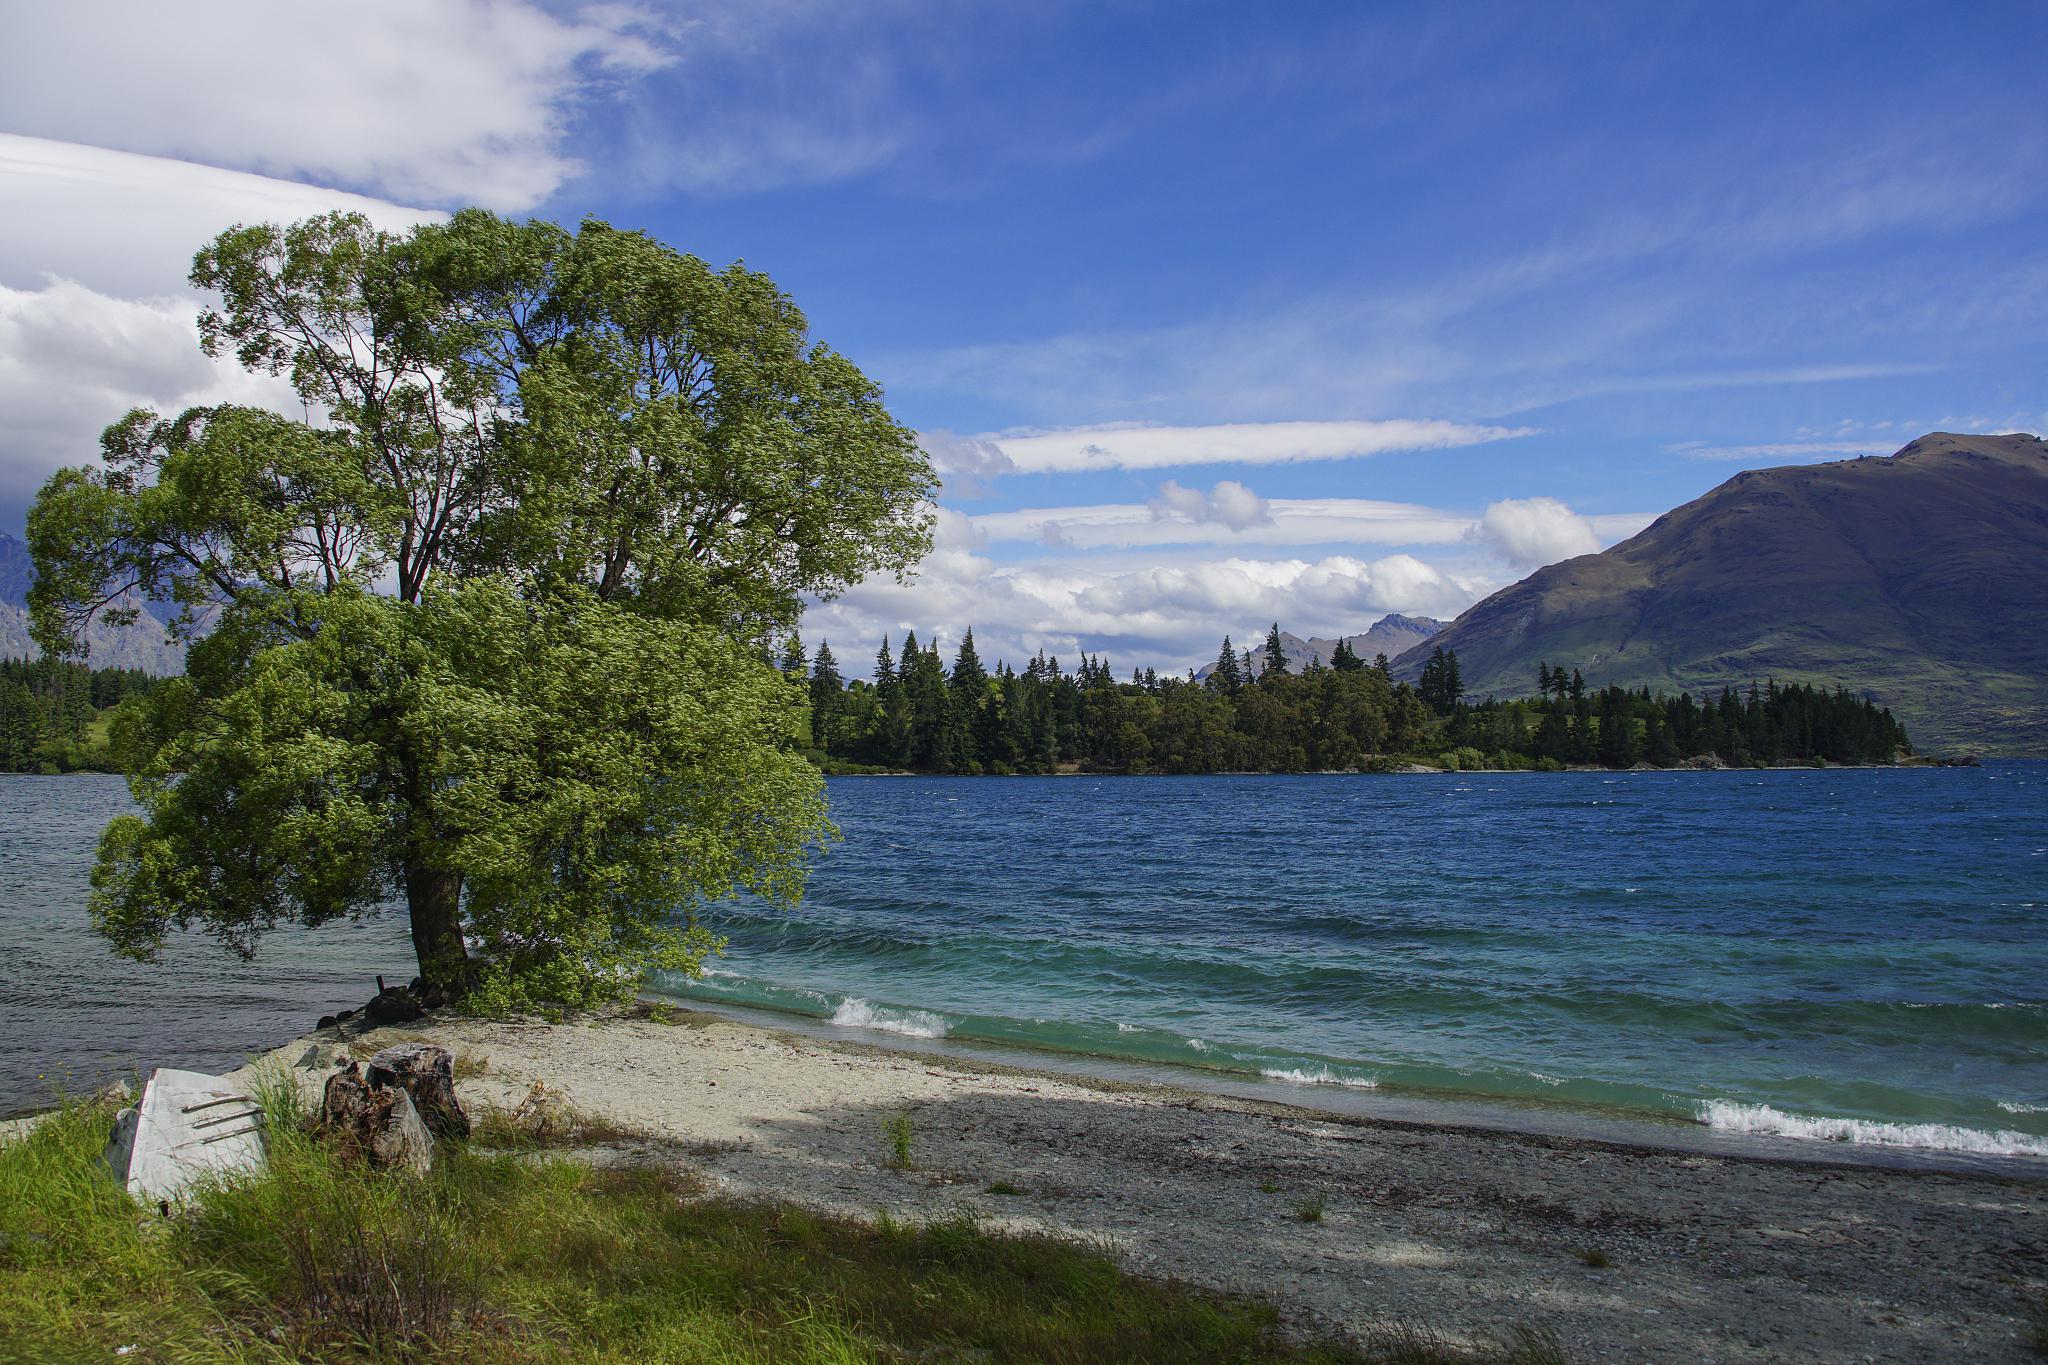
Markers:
897,1133
1004,1187
1405,1343
545,1121
1596,1258
1309,1208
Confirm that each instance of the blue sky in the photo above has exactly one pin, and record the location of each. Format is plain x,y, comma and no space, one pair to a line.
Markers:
1381,306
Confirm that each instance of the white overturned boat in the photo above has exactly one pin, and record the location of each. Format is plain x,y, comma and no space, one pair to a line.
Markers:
187,1126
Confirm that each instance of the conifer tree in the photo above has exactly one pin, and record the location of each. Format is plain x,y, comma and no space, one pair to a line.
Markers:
966,704
827,698
1225,677
1276,654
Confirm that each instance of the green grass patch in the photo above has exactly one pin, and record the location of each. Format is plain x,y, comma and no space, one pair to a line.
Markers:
897,1134
536,1257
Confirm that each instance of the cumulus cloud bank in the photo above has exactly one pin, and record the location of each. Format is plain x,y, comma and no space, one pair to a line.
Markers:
73,360
1168,616
1532,532
1228,504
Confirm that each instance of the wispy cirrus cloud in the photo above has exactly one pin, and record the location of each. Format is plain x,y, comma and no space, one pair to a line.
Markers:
1069,450
1795,452
1521,531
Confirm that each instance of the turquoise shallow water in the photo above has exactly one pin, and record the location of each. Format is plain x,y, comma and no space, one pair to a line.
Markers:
1858,955
1846,954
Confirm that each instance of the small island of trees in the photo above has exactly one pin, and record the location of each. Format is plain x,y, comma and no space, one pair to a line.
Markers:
1251,713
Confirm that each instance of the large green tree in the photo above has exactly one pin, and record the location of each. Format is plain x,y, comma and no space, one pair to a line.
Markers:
487,632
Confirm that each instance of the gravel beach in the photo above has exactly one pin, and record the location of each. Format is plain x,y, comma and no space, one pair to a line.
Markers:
1341,1221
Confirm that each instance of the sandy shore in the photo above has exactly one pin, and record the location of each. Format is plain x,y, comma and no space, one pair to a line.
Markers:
1471,1232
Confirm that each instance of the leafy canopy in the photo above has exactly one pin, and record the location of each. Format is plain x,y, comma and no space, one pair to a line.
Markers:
488,633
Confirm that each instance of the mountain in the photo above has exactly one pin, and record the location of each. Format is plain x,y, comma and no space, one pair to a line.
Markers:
142,645
1390,635
1918,579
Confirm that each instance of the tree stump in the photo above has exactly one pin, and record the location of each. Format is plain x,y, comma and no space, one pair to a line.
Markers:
426,1073
376,1122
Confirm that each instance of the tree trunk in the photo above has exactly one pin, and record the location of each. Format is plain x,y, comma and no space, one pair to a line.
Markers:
434,896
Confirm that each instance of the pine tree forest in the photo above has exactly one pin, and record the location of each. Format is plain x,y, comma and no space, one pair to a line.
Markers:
919,714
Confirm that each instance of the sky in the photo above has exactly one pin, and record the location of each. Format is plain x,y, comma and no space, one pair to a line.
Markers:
1210,315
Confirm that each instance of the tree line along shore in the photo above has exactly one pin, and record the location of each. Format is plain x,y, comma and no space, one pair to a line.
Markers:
53,714
918,715
1251,714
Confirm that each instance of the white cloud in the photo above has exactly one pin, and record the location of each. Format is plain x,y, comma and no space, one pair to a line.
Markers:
1532,532
1126,446
1229,504
1799,452
966,464
95,316
1288,522
1165,616
128,225
464,101
73,360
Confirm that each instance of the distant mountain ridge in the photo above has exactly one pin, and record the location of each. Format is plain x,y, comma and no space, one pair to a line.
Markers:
1918,579
1391,635
142,645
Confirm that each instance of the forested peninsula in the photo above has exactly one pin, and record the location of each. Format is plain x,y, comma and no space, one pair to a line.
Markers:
53,714
1250,714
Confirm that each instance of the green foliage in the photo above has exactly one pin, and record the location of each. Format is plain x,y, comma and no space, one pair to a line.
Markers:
1442,687
54,714
898,1133
494,635
1355,717
1308,1208
531,1258
508,739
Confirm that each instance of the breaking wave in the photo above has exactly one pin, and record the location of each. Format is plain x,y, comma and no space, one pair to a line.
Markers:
1322,1075
853,1012
1727,1116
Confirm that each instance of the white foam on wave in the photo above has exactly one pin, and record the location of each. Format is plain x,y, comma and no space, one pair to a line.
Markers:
853,1012
1322,1075
1728,1116
2022,1107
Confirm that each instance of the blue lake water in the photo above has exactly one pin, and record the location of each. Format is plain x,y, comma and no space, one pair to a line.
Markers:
1854,954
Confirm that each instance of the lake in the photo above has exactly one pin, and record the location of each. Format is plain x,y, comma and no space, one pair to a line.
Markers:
1849,954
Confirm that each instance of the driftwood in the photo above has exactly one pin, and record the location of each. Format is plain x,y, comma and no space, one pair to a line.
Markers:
427,1073
376,1122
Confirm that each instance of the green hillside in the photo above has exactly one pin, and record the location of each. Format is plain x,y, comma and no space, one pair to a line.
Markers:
1919,580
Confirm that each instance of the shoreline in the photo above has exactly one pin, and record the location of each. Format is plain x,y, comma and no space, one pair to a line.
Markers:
1470,1230
1383,1102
